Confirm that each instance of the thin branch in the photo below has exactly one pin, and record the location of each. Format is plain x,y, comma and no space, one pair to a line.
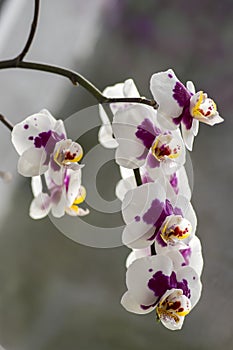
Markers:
6,122
21,56
142,100
75,78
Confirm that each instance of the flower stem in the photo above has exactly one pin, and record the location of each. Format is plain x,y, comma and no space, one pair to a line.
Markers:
6,122
76,79
32,32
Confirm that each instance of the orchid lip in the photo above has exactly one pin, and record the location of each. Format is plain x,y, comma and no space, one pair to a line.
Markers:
164,147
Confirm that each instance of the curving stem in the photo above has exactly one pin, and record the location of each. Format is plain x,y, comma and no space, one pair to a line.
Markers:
32,32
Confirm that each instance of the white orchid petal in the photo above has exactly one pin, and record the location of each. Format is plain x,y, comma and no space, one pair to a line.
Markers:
24,132
180,183
138,201
188,136
192,279
106,138
128,302
126,173
136,235
195,127
190,86
40,206
74,186
123,186
130,89
36,184
196,258
137,254
129,154
162,86
31,162
140,272
59,204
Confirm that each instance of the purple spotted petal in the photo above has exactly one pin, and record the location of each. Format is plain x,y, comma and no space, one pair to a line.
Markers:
181,94
146,132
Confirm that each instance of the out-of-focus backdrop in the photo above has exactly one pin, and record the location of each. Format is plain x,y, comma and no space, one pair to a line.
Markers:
58,294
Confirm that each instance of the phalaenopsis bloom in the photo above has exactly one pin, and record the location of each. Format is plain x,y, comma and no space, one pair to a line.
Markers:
155,283
44,149
142,142
182,105
126,89
61,196
153,215
41,142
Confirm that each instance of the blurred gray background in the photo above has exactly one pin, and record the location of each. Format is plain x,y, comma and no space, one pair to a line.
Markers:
58,294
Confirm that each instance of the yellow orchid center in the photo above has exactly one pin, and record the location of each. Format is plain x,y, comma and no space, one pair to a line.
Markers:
204,106
174,228
165,146
65,157
173,307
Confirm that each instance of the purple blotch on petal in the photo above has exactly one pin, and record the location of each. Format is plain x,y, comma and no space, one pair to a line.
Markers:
159,283
30,138
181,94
184,286
156,215
186,253
146,132
177,211
66,182
53,164
137,218
154,212
146,179
174,182
169,75
42,139
187,119
26,126
180,285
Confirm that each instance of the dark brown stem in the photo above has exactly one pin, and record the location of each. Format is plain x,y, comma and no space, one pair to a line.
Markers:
6,122
141,100
21,56
75,78
137,177
152,249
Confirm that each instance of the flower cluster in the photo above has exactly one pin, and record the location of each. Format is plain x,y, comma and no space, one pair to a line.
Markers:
44,150
165,263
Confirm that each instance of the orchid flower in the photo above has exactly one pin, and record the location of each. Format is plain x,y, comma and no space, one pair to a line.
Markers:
151,213
182,105
126,89
141,142
41,142
153,283
191,255
64,195
178,181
